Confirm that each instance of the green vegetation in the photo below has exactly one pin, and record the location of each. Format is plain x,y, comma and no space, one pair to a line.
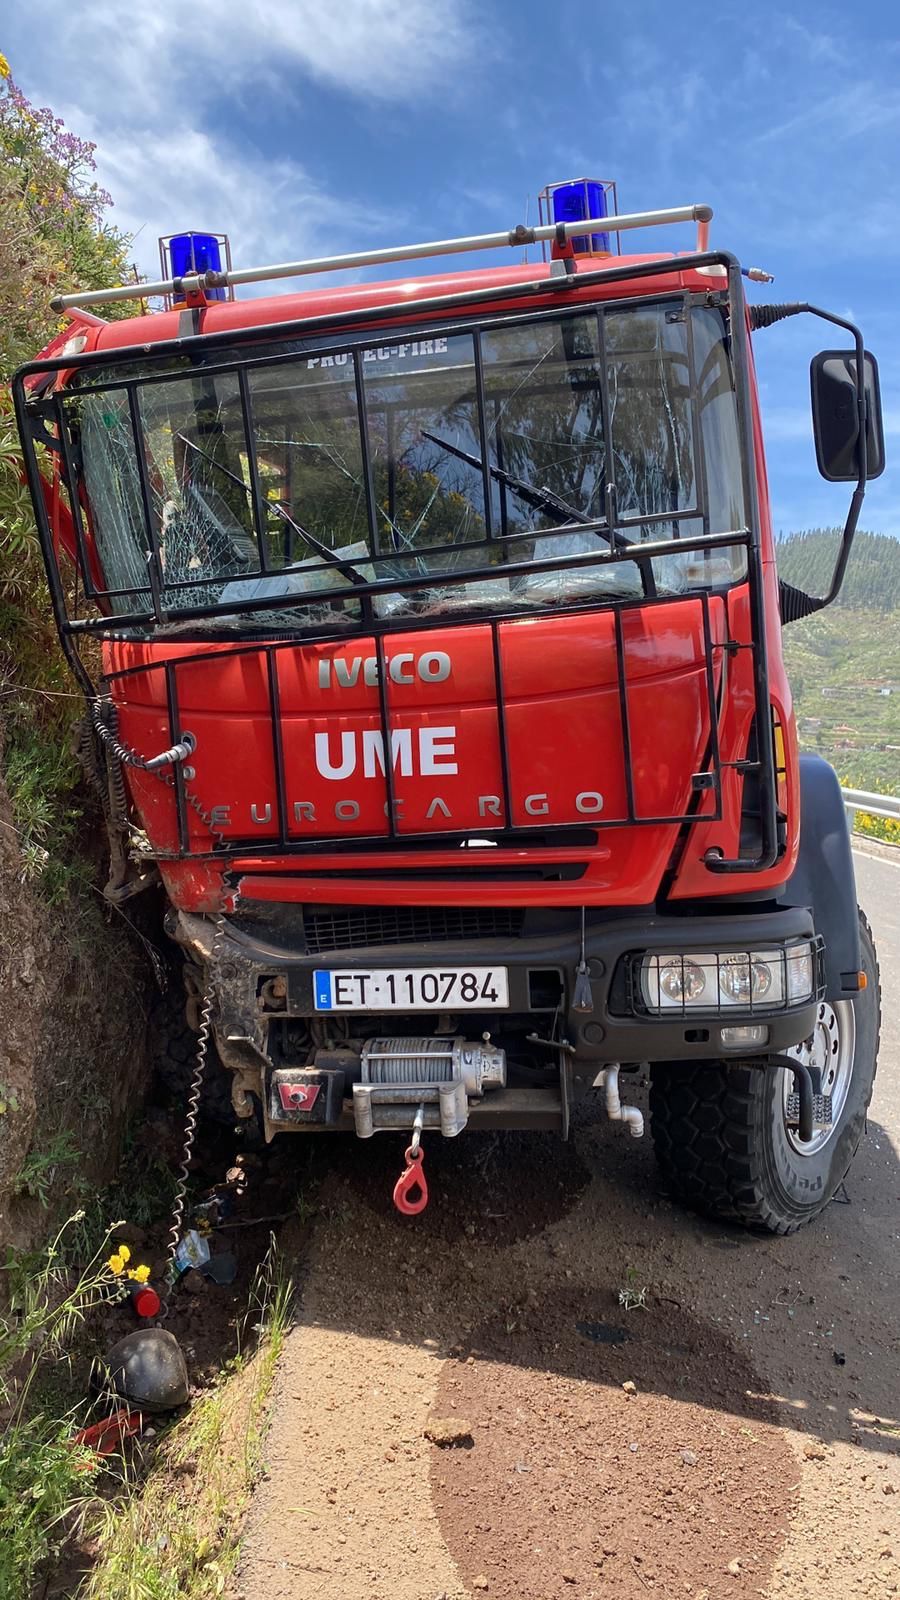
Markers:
154,1541
41,1168
53,234
872,583
844,663
840,668
632,1293
42,1482
143,1192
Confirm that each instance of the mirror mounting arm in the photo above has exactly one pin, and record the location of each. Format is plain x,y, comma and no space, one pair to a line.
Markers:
862,466
794,602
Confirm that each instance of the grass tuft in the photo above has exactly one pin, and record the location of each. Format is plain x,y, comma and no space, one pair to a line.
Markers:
175,1535
40,1483
41,1472
41,1168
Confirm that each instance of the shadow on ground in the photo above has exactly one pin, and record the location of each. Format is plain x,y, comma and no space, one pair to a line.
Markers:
812,1318
627,1373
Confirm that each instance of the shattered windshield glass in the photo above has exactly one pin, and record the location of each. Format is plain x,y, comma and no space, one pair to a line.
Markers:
309,475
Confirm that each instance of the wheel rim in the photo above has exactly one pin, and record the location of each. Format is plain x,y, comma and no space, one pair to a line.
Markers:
832,1048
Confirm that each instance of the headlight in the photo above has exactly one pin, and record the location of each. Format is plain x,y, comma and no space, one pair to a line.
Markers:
681,981
744,979
732,980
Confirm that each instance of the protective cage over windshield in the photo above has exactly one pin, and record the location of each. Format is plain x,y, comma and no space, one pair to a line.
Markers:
513,466
267,492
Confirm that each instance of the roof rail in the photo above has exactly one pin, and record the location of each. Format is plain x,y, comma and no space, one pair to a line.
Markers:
521,235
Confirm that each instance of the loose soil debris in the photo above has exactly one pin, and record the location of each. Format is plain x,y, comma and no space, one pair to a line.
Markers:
578,1474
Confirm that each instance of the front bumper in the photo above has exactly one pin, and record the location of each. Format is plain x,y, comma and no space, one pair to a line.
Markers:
265,975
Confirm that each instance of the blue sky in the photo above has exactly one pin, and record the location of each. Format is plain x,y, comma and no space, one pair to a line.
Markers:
311,126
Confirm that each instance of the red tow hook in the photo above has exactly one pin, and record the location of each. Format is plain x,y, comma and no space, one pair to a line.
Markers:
405,1197
411,1190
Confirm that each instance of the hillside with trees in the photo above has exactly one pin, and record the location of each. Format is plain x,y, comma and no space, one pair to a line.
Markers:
54,234
70,1014
872,582
844,663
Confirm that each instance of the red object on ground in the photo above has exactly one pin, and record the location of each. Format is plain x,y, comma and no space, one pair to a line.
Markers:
145,1302
107,1435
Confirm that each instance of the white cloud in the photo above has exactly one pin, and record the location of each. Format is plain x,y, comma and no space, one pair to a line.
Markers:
819,47
272,209
373,48
853,111
144,94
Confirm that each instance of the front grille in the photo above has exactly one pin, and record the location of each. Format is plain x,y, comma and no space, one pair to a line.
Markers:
356,927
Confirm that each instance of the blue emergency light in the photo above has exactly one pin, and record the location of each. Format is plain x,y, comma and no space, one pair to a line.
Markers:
574,202
186,253
577,200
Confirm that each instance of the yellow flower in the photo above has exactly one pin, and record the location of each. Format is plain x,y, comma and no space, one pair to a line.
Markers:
116,1265
4,66
139,1274
124,1252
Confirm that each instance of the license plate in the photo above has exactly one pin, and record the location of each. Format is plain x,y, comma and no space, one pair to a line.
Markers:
412,989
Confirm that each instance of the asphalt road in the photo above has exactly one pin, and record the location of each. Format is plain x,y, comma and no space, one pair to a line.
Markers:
769,1368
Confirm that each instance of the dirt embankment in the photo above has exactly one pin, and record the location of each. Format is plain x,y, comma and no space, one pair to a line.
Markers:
72,1054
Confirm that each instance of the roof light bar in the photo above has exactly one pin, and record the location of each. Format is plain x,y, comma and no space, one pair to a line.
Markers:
514,238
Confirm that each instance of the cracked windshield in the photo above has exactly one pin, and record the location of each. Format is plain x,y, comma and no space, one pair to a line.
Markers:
276,484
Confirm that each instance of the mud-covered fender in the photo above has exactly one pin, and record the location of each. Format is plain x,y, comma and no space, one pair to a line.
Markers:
823,878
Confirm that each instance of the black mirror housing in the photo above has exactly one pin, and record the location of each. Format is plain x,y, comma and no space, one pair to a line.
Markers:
835,411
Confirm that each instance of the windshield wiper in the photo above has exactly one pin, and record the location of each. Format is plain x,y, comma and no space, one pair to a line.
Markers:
322,549
540,499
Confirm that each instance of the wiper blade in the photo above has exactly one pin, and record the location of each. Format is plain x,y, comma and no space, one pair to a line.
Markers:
540,499
322,549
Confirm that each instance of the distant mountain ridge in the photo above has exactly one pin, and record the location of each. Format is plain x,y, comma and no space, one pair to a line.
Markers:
872,582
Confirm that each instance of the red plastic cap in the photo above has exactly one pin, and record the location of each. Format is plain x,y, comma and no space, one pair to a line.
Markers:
146,1301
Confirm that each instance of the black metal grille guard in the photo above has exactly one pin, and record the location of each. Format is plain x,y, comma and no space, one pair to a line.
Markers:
31,414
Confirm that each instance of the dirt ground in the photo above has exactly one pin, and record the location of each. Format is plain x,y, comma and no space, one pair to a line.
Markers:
737,1435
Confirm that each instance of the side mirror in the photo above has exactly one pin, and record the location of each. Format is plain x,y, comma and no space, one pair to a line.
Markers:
832,376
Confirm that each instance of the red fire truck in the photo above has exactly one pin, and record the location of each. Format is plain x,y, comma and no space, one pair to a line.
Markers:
430,631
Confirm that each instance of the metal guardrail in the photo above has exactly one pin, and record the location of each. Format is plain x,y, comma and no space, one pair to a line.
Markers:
874,805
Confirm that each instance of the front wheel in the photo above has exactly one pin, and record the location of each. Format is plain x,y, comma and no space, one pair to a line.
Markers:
173,1055
721,1132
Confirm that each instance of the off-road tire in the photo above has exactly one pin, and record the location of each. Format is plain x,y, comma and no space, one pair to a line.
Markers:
173,1055
718,1129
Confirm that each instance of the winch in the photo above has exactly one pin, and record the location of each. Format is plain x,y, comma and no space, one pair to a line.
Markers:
436,1073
